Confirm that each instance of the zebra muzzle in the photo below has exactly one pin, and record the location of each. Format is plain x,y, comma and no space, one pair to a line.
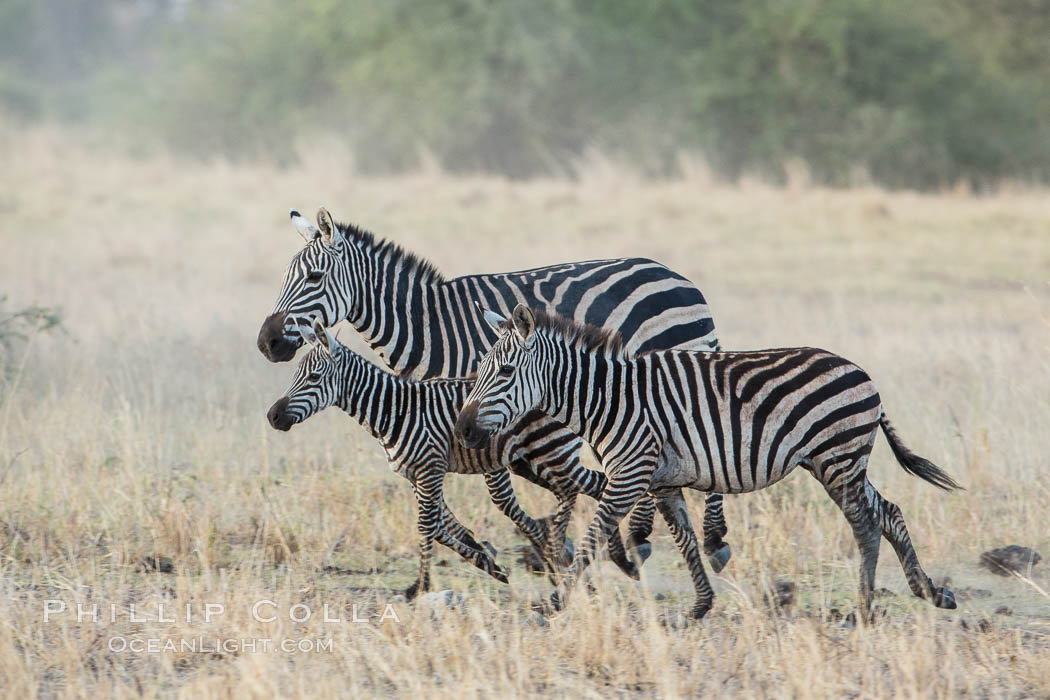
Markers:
279,416
274,343
468,432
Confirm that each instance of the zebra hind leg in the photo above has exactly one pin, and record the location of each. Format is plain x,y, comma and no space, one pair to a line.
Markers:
716,548
851,500
673,509
896,533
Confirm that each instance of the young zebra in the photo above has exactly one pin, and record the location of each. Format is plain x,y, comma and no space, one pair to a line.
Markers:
414,422
728,422
426,326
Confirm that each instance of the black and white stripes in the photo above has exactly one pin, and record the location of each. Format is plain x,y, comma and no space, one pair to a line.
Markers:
426,326
727,422
414,422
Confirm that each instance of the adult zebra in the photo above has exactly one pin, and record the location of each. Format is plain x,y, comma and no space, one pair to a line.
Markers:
729,422
414,422
426,326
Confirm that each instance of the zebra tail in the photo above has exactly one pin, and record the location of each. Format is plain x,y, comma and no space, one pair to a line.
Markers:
913,463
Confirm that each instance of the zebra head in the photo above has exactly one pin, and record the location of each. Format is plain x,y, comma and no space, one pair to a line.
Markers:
316,385
509,382
316,286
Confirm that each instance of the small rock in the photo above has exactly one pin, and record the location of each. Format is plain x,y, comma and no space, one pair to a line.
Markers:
535,619
981,625
968,593
659,596
156,563
1010,560
443,563
883,593
437,600
398,598
1004,610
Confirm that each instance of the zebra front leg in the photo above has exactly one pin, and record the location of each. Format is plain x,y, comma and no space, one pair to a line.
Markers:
673,509
622,491
555,549
716,548
566,475
896,532
502,494
639,528
457,530
428,486
427,522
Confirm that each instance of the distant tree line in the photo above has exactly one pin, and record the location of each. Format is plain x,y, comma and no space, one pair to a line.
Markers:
904,92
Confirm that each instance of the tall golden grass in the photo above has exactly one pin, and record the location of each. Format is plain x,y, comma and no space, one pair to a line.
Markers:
140,432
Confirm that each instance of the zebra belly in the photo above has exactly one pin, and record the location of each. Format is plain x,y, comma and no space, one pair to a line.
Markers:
677,469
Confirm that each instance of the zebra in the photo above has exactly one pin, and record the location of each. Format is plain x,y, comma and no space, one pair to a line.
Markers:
414,421
424,325
728,422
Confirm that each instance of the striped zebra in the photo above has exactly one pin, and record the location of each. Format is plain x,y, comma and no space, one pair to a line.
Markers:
728,422
426,326
414,422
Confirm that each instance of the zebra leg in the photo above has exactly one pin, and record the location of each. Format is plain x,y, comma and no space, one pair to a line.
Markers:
896,533
555,550
639,527
622,491
850,498
617,552
457,530
673,509
502,494
716,549
564,473
427,521
429,495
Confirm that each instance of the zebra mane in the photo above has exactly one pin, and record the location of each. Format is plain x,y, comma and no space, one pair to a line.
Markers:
602,341
394,252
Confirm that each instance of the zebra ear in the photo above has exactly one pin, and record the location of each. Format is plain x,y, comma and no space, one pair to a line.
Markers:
323,337
524,322
491,317
308,334
307,230
330,233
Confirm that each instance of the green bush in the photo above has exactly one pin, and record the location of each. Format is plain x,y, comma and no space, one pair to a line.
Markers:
914,94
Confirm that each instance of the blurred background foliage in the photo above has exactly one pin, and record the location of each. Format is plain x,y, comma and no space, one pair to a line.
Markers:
924,94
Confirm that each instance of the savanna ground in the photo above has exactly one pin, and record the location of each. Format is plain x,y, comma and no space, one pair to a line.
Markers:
140,432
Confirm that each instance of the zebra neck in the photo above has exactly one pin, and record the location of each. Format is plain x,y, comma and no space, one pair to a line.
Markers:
581,391
374,398
390,296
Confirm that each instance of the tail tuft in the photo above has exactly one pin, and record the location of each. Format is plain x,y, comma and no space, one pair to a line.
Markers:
914,464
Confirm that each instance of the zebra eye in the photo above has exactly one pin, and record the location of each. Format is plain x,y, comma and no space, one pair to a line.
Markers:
506,370
314,276
315,375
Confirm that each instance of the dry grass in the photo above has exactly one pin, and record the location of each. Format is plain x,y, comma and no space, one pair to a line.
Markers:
141,432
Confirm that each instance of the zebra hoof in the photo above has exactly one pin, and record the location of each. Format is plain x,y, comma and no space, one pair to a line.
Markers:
720,558
641,551
568,552
628,567
944,598
497,572
412,591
